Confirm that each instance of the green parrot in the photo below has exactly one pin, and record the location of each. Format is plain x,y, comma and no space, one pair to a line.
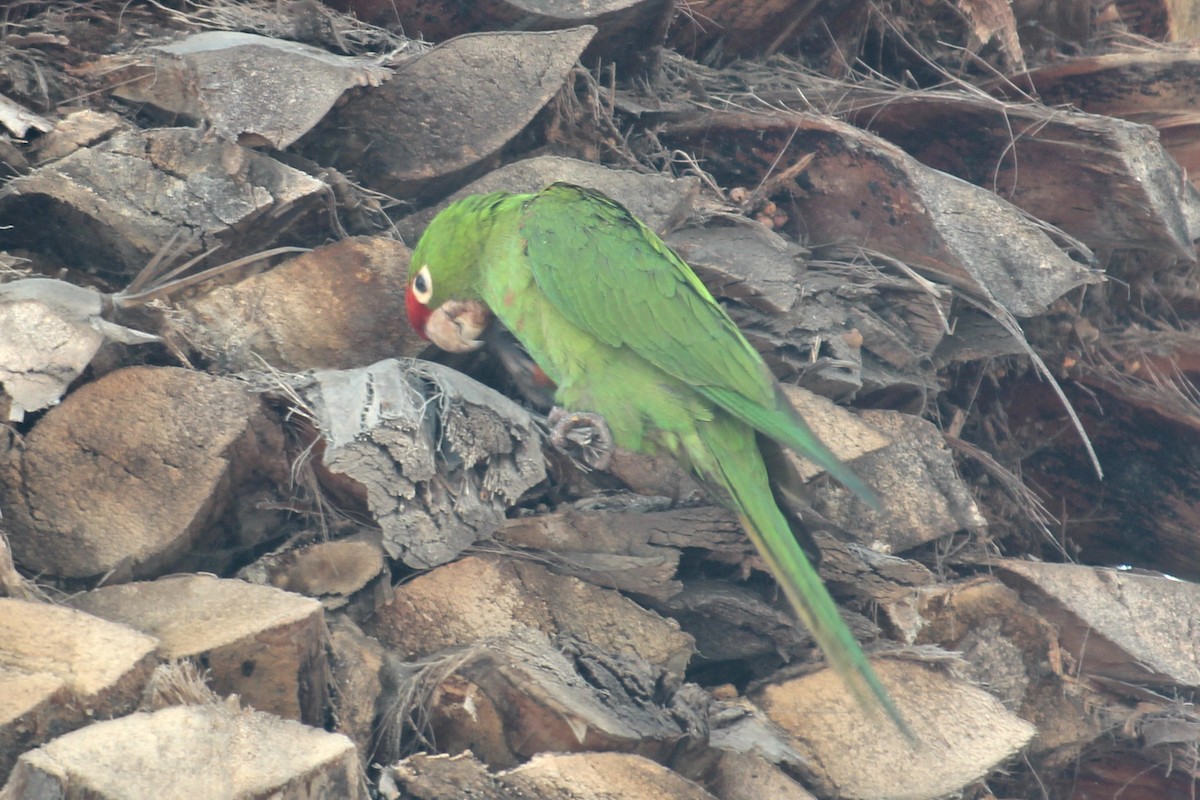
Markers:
625,330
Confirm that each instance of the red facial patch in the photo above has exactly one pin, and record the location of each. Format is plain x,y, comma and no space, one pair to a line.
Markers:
418,312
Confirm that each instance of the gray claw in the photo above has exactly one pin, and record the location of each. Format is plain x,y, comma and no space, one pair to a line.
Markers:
582,433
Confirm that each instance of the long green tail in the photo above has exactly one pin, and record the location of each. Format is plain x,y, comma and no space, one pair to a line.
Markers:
785,425
734,464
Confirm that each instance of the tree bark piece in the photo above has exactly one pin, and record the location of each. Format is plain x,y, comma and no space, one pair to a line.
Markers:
51,332
19,120
1050,26
922,495
1159,87
628,31
1116,624
438,456
61,669
12,583
994,23
254,90
198,752
513,697
600,776
737,623
269,647
1014,652
477,598
1105,181
130,472
1146,514
425,776
338,307
861,190
747,776
410,140
964,733
744,260
620,546
358,669
1161,20
113,207
77,130
845,311
864,571
712,30
1151,369
843,432
576,776
812,319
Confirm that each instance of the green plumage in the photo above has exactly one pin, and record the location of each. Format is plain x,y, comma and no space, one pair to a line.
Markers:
626,330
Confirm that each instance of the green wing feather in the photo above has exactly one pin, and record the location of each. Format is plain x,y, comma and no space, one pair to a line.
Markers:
660,310
664,314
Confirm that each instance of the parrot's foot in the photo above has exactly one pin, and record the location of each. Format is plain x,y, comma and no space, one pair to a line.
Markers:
583,433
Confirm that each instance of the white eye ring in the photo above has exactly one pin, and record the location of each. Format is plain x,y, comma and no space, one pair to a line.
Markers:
422,285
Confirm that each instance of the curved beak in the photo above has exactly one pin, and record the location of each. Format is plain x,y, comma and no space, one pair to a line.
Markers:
455,326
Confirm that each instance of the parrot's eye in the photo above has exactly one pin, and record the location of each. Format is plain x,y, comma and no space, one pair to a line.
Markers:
422,285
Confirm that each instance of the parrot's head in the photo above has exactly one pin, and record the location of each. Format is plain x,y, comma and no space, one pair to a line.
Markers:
442,297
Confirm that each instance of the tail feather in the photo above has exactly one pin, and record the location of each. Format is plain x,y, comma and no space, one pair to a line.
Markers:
785,425
733,463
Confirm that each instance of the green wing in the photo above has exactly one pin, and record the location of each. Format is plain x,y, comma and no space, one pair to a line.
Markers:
584,247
